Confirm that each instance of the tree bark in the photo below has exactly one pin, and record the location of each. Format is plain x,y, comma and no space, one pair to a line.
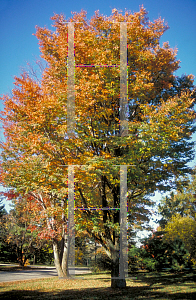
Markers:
60,264
34,259
64,260
117,279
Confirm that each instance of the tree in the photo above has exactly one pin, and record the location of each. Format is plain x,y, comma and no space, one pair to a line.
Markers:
2,207
18,236
178,212
160,124
4,251
183,228
181,202
47,222
158,253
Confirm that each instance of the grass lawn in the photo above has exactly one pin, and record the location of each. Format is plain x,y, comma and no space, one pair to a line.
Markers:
146,286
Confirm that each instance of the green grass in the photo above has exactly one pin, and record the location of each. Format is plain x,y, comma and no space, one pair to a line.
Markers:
92,287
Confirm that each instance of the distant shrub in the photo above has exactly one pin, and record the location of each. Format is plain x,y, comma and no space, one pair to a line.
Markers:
156,255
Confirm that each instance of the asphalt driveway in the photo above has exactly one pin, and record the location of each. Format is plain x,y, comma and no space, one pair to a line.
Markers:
35,272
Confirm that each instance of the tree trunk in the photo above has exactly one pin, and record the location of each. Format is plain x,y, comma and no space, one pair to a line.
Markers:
116,280
60,264
34,259
61,255
64,259
19,253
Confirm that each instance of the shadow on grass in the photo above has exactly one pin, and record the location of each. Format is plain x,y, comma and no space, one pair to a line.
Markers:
97,294
156,282
164,278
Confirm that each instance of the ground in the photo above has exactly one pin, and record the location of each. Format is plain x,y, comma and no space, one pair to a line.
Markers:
143,285
13,272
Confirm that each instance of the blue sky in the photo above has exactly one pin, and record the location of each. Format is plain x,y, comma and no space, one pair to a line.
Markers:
18,19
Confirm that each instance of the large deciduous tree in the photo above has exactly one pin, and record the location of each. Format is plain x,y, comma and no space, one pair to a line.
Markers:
160,122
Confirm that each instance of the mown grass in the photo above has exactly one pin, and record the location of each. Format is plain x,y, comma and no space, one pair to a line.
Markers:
93,287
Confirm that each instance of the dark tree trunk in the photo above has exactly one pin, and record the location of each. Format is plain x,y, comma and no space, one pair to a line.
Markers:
20,256
34,259
117,279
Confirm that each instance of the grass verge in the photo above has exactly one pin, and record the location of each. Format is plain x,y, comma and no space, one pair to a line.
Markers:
91,287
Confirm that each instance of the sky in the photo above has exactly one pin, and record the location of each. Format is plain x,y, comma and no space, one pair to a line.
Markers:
18,19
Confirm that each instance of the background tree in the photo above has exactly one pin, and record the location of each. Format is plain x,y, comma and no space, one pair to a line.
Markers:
183,228
24,244
158,253
44,193
182,202
5,253
178,212
2,207
160,122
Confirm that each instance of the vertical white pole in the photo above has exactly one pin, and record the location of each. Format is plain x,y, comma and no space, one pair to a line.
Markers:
71,82
123,223
71,223
123,80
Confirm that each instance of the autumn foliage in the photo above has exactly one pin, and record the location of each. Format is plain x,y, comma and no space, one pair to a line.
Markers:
37,150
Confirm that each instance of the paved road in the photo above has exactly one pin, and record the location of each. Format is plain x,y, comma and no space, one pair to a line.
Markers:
39,272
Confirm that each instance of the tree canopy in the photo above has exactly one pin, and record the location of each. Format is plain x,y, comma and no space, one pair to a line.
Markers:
183,228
